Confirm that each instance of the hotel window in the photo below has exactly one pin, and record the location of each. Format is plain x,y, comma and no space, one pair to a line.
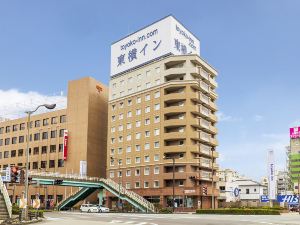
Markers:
147,97
129,102
128,149
127,185
147,121
137,184
121,105
148,73
45,135
111,174
15,127
138,112
120,138
63,119
61,132
157,106
156,119
156,170
156,144
112,140
52,148
112,162
120,128
129,114
128,161
128,173
147,146
14,140
138,123
113,129
6,154
51,163
128,138
119,173
35,165
157,82
7,141
21,139
7,129
147,109
44,149
156,184
147,158
113,118
138,100
138,136
1,130
146,171
120,150
36,136
113,107
45,122
60,147
181,183
137,148
137,159
139,76
147,133
112,151
36,150
53,133
121,116
157,94
0,158
43,164
156,132
137,172
148,85
139,87
20,152
13,153
54,120
156,157
146,184
157,70
129,125
22,126
120,162
1,142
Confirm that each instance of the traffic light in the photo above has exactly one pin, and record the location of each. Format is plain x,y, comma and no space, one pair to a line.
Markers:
58,182
15,174
204,190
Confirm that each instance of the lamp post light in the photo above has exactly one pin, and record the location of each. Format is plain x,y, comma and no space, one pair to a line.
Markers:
29,113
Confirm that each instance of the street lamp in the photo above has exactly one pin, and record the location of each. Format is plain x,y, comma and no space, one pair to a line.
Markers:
119,200
29,113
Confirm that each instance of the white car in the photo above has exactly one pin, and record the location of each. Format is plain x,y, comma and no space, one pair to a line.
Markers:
89,208
102,209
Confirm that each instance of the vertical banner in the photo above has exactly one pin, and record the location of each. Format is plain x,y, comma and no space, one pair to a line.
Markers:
83,168
65,147
271,175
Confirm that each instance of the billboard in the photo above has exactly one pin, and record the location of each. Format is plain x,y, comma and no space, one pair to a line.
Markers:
295,132
271,175
290,199
164,37
264,198
65,147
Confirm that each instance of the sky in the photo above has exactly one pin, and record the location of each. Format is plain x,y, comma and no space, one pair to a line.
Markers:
254,45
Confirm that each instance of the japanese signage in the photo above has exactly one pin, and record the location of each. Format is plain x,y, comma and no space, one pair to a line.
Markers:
65,147
6,175
271,175
290,199
295,132
264,198
165,37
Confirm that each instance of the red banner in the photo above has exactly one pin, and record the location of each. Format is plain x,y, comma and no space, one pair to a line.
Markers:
65,144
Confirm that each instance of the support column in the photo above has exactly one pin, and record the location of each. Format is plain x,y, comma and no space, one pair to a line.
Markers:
100,196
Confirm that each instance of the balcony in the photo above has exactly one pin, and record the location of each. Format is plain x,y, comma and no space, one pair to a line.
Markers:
213,94
174,136
215,154
175,149
212,106
215,166
174,109
174,122
214,142
213,118
174,96
178,176
213,83
213,129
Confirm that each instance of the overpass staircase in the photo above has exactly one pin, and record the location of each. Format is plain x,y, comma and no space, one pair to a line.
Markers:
5,203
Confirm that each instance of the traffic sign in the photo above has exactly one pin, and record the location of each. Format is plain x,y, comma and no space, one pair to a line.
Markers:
236,192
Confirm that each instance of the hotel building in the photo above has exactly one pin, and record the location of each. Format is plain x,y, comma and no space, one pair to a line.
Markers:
160,110
85,119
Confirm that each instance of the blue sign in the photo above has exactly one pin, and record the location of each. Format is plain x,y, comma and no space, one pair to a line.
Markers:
290,199
264,198
236,192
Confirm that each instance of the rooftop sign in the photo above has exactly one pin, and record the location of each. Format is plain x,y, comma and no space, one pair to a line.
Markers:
165,37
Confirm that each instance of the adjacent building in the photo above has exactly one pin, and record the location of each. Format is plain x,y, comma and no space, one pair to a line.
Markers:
83,124
162,105
294,157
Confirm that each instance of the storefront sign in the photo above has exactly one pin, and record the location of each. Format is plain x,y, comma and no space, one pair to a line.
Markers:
65,147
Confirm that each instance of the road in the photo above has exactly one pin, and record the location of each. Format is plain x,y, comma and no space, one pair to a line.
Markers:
77,218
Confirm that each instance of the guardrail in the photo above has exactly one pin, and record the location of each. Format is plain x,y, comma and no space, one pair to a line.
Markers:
6,197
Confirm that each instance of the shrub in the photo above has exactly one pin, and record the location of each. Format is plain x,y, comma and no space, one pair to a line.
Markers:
165,210
235,211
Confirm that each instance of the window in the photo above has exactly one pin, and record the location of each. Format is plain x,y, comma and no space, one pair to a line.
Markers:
148,73
157,106
120,150
147,133
130,90
130,79
120,128
6,154
128,173
137,159
121,105
60,163
127,185
54,120
129,102
113,107
139,76
36,136
120,162
129,125
61,132
7,141
137,148
63,119
156,119
128,161
129,114
148,85
156,132
22,126
128,149
137,184
60,147
138,99
156,170
157,70
35,165
121,116
7,129
112,151
113,118
45,135
146,171
156,157
36,150
138,136
13,153
147,158
247,191
122,82
112,140
52,148
122,93
157,94
20,152
137,172
1,130
139,87
1,142
111,174
114,85
156,184
138,112
15,127
147,97
147,121
14,140
146,184
119,173
45,122
181,183
138,123
43,164
44,149
113,129
147,146
120,139
147,109
53,134
51,163
157,82
21,139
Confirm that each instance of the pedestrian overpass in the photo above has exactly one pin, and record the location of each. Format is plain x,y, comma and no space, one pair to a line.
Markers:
89,185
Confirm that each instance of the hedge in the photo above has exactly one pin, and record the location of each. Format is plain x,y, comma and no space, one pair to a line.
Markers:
239,211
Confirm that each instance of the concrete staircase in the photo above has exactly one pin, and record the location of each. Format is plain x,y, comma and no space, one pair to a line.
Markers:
3,210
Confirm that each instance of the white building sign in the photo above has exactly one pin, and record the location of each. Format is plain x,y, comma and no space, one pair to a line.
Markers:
167,36
83,168
271,175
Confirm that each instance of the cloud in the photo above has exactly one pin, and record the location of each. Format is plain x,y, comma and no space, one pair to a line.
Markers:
226,118
14,103
258,118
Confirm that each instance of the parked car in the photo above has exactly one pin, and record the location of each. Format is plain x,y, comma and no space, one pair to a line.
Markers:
102,209
294,209
89,208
